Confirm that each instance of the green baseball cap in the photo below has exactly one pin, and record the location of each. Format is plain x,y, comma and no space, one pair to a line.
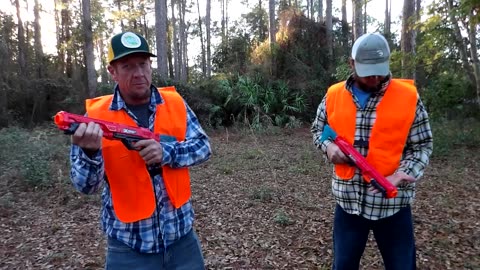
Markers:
371,54
127,43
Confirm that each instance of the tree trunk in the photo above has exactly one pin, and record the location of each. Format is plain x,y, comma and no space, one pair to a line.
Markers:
472,33
21,43
161,37
357,19
226,20
103,63
459,41
223,22
203,63
170,49
387,22
183,43
345,30
272,26
407,40
66,38
272,32
38,41
320,10
119,8
329,26
207,29
59,35
312,10
4,55
176,45
261,33
89,56
365,17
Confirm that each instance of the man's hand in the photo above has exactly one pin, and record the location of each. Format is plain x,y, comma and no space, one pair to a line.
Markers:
150,150
88,137
396,179
335,155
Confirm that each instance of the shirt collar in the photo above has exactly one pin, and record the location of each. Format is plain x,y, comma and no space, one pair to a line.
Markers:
118,103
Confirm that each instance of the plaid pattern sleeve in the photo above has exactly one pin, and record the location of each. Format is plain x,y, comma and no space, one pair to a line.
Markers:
353,195
317,128
167,224
86,172
194,150
419,145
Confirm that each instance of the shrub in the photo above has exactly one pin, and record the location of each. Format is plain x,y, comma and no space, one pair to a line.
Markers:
34,156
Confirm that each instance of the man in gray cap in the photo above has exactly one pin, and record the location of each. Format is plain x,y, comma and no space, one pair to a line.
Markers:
146,213
385,120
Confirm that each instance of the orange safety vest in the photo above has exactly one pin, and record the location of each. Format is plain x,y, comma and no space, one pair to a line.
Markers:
130,183
394,116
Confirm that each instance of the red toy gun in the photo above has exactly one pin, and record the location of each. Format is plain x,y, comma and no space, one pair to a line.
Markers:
69,122
370,174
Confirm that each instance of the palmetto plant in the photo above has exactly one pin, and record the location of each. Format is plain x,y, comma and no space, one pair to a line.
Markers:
257,102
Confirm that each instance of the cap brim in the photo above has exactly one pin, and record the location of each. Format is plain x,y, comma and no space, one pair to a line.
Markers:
132,52
365,70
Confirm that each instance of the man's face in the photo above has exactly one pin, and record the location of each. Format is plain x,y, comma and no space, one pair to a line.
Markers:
133,73
369,83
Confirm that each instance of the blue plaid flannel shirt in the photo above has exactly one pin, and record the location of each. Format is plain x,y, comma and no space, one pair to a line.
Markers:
167,224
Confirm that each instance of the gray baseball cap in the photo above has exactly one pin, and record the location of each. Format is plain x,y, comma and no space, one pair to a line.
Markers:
371,54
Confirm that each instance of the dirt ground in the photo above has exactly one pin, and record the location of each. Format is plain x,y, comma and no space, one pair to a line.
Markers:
263,201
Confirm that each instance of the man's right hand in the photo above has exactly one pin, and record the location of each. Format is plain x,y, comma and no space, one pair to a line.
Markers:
88,137
335,155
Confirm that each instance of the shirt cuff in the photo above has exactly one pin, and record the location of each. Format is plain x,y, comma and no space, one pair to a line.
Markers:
95,159
405,171
324,146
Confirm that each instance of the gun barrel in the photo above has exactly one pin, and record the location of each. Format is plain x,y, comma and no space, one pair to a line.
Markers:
65,120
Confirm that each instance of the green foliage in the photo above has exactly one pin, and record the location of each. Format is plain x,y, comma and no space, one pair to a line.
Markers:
282,218
254,101
445,96
257,23
343,70
232,56
449,135
41,99
263,194
33,156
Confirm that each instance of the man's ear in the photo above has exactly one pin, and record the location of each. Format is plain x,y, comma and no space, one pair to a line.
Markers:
351,62
112,72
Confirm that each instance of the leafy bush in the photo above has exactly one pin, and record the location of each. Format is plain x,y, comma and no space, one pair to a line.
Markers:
254,101
445,96
36,157
450,134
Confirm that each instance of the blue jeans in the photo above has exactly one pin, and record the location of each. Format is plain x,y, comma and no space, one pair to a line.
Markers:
394,237
185,254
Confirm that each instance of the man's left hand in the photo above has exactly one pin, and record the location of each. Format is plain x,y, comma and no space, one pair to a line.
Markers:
150,150
396,179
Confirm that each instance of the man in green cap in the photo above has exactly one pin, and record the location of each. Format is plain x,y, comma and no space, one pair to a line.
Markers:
146,213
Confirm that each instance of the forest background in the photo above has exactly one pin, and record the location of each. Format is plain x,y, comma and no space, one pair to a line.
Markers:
255,74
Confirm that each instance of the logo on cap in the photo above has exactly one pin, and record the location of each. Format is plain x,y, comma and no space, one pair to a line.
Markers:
130,40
